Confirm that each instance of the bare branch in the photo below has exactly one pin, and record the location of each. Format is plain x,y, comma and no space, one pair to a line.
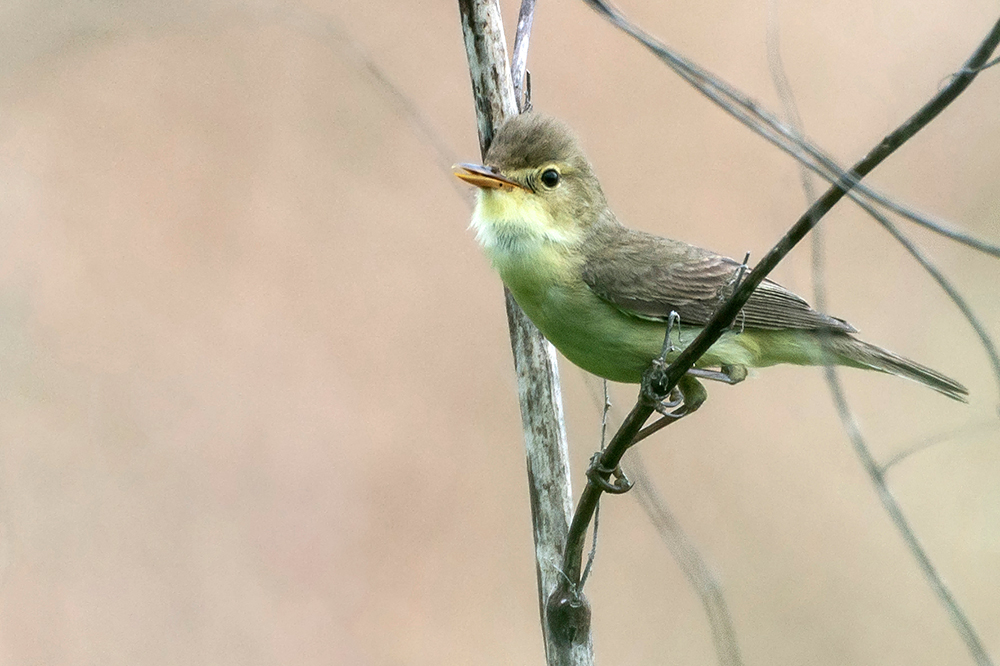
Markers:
691,563
566,626
489,68
876,474
958,618
592,555
970,429
757,119
520,59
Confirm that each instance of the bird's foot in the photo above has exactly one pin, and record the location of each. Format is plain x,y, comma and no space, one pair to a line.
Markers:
728,374
693,396
689,394
653,383
687,397
600,476
684,398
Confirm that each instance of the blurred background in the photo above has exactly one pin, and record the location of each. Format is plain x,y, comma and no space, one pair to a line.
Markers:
257,403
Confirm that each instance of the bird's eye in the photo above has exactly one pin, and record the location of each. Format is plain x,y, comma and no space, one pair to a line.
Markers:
550,178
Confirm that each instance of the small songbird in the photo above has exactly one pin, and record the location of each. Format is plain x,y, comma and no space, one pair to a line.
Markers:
603,293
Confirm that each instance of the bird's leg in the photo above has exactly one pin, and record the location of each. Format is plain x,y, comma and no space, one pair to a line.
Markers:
673,319
740,272
728,374
676,397
735,282
689,394
686,397
599,475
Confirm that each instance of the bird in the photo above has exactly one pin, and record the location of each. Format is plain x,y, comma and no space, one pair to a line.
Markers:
605,294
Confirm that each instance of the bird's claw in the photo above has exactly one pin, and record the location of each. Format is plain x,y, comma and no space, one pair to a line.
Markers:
599,476
678,407
675,399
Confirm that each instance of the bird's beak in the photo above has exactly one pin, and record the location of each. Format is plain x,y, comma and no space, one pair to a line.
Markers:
483,176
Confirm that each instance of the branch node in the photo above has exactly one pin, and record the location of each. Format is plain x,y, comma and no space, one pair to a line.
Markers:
568,615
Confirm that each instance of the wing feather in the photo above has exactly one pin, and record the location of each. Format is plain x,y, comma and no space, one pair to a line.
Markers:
648,277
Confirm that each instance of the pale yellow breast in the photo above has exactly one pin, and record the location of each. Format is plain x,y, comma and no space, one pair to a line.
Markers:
541,265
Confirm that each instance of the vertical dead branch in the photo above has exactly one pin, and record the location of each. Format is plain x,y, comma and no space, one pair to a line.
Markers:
534,357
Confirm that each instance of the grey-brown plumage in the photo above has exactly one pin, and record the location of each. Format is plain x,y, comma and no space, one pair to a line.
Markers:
650,276
546,224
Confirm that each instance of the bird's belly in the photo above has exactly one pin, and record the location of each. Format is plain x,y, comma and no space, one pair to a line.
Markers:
593,334
596,336
609,343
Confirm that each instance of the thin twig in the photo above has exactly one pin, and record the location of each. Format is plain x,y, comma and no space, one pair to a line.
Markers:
592,555
848,421
592,493
725,315
689,559
995,61
757,119
791,110
958,618
691,563
933,440
653,428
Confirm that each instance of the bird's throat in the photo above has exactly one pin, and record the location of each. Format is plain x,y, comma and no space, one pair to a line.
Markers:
512,223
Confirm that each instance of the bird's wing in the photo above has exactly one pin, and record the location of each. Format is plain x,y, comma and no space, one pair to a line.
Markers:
648,277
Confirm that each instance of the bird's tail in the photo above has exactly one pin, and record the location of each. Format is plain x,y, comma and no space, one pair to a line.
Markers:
864,355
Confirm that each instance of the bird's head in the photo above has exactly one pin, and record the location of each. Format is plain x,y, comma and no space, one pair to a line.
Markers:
536,184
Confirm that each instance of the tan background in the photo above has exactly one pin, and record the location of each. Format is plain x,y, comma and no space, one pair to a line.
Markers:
256,400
